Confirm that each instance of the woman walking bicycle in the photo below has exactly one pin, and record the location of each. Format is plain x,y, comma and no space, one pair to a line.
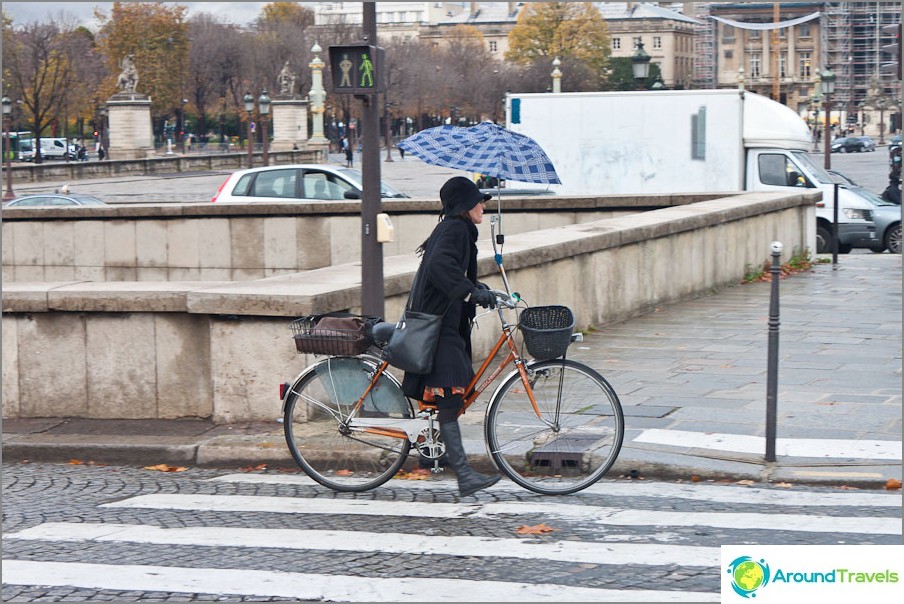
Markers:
449,271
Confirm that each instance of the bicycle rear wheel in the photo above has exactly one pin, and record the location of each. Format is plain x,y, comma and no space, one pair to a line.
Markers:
317,424
572,442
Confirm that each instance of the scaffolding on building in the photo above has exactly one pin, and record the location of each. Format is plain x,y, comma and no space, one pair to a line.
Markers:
704,47
852,40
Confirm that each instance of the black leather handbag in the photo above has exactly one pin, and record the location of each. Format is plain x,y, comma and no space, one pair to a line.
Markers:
413,344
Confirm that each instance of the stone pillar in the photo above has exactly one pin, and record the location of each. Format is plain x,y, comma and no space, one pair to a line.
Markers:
130,132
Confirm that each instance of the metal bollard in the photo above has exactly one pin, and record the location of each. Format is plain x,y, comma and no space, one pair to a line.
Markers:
772,363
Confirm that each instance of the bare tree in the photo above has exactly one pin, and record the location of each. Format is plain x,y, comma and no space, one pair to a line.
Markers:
38,60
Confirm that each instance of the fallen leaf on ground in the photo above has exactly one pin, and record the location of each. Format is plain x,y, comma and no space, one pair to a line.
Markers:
536,529
75,462
343,472
257,468
784,485
892,484
695,478
162,467
746,482
416,474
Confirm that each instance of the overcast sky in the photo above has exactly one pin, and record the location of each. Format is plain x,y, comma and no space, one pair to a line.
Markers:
240,13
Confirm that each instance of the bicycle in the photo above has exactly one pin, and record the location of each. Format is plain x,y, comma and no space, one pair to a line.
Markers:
554,425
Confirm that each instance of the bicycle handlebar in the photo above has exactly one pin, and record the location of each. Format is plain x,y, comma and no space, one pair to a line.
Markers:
505,299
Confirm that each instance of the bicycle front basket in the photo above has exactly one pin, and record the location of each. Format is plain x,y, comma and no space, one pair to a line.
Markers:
330,335
547,330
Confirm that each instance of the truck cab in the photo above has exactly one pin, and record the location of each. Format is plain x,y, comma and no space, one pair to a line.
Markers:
770,169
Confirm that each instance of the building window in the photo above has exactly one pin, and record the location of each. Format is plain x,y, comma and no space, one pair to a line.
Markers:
493,46
657,41
754,33
804,58
783,65
804,31
616,43
754,66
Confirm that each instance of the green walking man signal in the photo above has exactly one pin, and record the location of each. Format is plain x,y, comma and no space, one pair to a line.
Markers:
357,69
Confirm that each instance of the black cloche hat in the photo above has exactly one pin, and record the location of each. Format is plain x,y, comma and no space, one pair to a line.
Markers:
460,194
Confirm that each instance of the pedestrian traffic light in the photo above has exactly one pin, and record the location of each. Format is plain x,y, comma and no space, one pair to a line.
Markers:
893,65
357,69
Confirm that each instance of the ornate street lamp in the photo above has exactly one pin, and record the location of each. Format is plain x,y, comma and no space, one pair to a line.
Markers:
827,85
248,101
263,102
640,64
7,117
881,104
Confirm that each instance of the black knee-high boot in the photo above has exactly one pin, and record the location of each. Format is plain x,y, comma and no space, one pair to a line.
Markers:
469,481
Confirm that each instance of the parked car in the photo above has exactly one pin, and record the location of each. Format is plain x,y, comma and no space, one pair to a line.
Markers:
887,218
849,145
297,182
44,200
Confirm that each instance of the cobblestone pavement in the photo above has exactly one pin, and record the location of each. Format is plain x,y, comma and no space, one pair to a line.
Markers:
619,540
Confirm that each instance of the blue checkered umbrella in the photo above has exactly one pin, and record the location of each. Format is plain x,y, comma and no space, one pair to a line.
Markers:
485,148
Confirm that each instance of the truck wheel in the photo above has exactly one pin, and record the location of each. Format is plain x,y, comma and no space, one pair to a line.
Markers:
823,240
893,239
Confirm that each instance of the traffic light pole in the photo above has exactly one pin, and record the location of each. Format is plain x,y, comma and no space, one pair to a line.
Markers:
372,302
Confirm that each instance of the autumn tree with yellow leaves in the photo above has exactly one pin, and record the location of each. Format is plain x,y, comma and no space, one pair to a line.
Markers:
569,30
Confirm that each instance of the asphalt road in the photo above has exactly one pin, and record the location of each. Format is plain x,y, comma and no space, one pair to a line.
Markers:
410,175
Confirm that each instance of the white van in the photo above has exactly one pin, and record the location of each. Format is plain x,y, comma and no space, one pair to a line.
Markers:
51,148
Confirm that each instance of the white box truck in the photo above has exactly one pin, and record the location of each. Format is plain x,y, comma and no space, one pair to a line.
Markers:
684,141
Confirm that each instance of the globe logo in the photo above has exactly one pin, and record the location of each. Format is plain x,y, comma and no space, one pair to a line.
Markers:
748,575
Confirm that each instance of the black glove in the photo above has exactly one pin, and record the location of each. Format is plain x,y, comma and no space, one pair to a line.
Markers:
482,285
483,297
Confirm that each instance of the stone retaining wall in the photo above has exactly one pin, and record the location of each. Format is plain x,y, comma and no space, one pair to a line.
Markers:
206,349
167,164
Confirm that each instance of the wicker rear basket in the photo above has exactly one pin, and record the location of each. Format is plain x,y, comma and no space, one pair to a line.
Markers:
330,335
547,330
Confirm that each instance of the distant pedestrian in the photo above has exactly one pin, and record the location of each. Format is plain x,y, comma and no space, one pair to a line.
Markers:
349,156
101,154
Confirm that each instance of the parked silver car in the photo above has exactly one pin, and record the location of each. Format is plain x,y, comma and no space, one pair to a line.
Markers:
55,200
296,182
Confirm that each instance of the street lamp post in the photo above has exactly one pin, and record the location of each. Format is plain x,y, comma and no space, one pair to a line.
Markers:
104,131
827,84
640,64
263,103
248,101
556,76
881,103
387,131
7,115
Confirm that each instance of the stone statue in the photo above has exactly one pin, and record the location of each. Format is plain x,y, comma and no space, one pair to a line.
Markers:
286,81
128,77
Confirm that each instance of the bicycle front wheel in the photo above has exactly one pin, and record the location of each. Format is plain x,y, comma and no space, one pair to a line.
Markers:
319,417
570,440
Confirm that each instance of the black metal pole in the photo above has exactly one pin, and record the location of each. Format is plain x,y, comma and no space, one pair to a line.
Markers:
835,243
772,357
371,249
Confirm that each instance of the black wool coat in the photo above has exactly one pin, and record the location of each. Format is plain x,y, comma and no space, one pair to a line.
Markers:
449,271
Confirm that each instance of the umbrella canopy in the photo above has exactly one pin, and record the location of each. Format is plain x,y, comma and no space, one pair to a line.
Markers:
486,148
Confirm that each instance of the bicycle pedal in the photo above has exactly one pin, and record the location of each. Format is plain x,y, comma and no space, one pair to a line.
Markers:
437,469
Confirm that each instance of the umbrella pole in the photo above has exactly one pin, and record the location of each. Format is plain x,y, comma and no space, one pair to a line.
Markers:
497,253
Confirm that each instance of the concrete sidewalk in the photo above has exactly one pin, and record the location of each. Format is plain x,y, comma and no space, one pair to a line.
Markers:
691,378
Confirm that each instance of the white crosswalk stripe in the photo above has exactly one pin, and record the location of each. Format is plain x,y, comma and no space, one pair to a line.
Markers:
645,540
320,587
590,514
